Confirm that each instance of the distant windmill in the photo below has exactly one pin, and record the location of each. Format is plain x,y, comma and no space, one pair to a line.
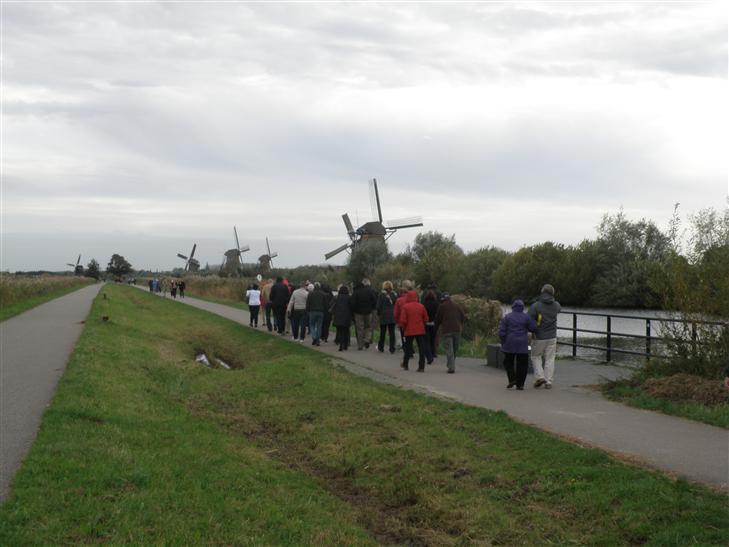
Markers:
191,264
233,261
266,261
374,229
78,269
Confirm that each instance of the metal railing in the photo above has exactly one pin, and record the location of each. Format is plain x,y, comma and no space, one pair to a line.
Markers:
650,340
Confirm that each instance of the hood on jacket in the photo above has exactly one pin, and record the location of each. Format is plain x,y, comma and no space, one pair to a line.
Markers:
343,289
517,305
411,296
546,298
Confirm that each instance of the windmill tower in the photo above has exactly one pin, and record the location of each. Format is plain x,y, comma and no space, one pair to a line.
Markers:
232,260
78,269
191,264
265,261
375,229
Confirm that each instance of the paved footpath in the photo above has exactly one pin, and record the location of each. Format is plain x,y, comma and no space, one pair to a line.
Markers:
571,409
34,349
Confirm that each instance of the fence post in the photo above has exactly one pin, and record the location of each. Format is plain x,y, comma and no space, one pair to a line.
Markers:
609,339
648,339
574,335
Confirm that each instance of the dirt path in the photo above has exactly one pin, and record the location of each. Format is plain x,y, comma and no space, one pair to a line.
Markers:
34,349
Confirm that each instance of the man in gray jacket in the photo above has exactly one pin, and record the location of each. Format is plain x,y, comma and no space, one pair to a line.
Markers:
544,348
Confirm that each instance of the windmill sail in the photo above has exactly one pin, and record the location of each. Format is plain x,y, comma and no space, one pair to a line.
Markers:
338,250
404,223
375,201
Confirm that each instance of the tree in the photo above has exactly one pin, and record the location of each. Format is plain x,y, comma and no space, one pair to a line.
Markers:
92,270
476,271
436,259
522,274
118,266
367,256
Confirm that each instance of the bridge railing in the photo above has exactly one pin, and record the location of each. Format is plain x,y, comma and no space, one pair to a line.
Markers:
651,340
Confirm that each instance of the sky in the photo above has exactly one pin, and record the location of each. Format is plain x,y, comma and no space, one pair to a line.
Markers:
140,128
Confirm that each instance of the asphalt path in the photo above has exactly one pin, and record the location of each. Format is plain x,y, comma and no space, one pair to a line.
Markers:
573,409
34,349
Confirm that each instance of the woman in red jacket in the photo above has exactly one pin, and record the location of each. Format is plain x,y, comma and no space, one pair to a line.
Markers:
412,319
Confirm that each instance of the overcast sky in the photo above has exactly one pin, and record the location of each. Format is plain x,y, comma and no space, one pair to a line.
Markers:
140,128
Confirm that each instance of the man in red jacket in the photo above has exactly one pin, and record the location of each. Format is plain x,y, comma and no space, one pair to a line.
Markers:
412,319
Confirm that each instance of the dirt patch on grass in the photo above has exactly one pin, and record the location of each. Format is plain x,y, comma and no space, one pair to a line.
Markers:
398,514
687,388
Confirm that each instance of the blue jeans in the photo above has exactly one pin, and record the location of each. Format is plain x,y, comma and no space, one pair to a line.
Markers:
316,318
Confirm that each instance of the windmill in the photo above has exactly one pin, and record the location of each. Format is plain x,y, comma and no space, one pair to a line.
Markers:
232,261
78,269
191,264
375,229
265,261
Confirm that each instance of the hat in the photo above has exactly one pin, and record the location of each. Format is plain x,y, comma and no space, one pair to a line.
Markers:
444,296
548,289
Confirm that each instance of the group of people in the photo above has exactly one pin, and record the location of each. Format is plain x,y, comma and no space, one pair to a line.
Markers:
424,321
315,308
165,285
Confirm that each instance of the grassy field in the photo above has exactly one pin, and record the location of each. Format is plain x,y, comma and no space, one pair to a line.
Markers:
19,294
142,445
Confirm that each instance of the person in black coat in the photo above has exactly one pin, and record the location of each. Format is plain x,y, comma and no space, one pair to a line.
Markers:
279,299
341,310
364,302
385,312
431,304
327,314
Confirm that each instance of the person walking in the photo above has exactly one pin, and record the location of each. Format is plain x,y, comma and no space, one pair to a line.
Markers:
266,305
431,306
405,287
296,310
364,301
514,332
544,348
328,297
341,310
316,305
253,297
413,317
151,285
386,314
279,298
173,289
449,320
181,288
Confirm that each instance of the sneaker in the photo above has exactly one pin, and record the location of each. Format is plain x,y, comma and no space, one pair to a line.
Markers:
520,388
451,372
540,382
547,385
511,384
420,370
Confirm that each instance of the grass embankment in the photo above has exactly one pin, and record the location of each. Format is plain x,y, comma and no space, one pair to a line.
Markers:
142,445
683,395
19,294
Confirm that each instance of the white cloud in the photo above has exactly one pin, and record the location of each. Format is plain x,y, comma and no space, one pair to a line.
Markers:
163,120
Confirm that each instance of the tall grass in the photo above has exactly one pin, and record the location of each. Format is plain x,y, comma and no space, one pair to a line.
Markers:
19,293
218,287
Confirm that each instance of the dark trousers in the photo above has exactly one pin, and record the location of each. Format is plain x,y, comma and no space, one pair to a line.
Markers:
430,339
325,326
390,329
267,309
298,324
279,316
517,377
254,314
342,338
422,350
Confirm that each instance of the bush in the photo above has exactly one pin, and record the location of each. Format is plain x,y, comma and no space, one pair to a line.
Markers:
482,316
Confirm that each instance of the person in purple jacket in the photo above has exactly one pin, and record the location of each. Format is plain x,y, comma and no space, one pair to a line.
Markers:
514,334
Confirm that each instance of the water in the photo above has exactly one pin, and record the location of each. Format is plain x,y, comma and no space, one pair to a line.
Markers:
619,325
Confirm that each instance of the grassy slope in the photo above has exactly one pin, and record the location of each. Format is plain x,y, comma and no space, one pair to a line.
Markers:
6,312
634,396
142,445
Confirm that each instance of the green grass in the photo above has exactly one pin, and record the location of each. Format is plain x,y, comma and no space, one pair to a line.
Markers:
25,303
215,300
634,396
142,445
